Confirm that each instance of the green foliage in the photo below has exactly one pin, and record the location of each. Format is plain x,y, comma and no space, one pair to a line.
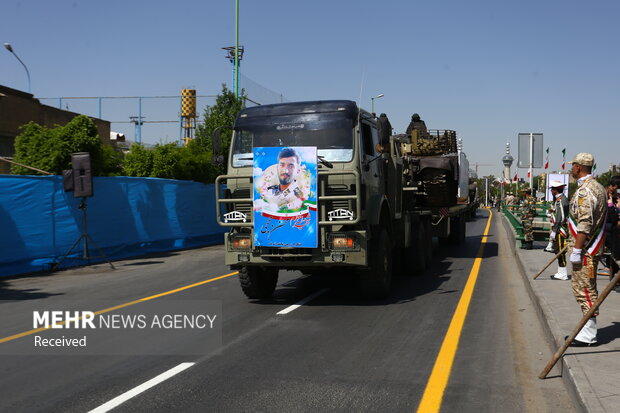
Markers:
139,161
166,161
50,149
170,161
221,115
195,164
605,177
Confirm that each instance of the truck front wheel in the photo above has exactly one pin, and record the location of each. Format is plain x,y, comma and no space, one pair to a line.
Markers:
376,280
258,282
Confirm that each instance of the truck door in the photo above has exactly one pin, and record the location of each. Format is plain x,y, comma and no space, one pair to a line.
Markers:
372,181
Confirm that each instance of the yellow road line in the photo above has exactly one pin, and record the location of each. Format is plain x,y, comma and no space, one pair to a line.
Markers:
433,393
116,307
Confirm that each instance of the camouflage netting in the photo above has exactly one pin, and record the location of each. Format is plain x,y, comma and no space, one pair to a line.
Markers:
439,186
433,143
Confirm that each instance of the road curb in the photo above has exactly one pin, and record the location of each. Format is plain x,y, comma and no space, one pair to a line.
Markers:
575,373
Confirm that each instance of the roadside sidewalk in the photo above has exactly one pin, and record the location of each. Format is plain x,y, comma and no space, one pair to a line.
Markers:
592,373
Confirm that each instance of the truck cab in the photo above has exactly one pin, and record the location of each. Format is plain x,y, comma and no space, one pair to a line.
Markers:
351,189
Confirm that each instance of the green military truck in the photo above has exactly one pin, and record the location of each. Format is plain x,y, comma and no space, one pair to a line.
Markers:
375,212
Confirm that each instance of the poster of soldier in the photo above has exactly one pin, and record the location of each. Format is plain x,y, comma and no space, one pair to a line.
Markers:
285,197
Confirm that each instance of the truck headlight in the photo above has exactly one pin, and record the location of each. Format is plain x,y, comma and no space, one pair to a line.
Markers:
342,241
241,243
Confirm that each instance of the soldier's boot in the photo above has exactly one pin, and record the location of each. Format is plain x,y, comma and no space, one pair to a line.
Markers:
561,275
549,247
587,335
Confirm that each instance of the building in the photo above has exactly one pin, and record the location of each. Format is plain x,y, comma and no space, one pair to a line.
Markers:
17,108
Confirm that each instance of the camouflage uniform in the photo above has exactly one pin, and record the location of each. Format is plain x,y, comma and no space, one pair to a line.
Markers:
588,208
528,212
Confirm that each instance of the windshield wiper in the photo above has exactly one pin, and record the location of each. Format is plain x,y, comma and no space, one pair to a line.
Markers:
325,162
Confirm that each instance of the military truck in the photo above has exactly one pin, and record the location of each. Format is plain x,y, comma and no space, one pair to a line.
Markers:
372,210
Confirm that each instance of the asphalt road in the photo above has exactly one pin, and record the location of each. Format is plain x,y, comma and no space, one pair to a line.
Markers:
336,352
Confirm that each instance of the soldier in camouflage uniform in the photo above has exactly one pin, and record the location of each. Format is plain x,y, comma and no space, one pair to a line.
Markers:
586,223
528,212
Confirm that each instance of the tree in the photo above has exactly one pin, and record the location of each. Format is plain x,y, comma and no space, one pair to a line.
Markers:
221,115
138,161
50,149
166,161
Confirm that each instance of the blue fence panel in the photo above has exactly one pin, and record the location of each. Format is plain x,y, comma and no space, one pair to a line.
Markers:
126,217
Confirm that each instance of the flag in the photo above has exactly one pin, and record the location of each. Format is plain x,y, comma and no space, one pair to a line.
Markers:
528,174
563,158
515,178
594,167
547,159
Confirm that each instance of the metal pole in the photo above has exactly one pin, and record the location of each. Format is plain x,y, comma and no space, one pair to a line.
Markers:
372,105
59,103
486,202
139,120
237,48
181,121
99,98
531,158
233,78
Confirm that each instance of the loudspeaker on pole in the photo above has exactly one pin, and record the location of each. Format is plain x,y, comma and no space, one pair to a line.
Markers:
82,174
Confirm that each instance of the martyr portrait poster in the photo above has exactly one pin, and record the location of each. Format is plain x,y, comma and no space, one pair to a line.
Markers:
285,197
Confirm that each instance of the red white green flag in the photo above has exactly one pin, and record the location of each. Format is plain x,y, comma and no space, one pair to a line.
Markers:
563,158
547,159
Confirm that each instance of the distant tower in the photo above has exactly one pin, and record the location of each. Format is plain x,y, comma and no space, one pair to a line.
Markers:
188,114
507,161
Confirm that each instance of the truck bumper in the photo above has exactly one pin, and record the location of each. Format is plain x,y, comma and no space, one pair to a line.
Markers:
297,258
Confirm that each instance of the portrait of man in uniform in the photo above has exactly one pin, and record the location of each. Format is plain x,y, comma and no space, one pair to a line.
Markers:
285,195
287,192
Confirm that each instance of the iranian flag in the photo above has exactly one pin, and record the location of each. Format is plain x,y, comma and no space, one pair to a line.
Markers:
563,158
547,159
515,178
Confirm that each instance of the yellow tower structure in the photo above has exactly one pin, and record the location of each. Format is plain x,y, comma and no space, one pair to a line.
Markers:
188,114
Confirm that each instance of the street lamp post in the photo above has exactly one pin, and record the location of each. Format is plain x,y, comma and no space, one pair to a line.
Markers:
8,47
372,102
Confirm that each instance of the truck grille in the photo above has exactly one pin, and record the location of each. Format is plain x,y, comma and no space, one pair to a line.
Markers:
245,207
339,189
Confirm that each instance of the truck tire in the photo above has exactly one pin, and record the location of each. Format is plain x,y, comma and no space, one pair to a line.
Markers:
415,257
258,283
457,230
376,280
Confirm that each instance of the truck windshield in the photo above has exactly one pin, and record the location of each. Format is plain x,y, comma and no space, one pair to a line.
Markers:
331,133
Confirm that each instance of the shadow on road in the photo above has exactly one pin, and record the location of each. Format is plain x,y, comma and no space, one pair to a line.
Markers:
10,293
448,261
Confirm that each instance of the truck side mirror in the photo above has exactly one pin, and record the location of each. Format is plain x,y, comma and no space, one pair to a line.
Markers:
384,128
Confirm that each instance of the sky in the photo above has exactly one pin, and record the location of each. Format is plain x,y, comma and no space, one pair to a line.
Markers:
487,69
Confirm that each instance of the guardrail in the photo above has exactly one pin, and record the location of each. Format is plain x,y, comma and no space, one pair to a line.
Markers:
541,223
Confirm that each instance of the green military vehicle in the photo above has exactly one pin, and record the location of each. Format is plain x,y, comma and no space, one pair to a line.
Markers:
372,211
